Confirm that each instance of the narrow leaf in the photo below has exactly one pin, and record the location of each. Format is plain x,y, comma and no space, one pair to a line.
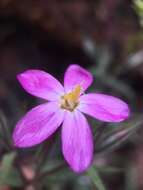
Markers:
95,178
115,138
8,173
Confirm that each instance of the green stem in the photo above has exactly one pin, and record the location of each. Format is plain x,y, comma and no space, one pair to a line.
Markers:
95,178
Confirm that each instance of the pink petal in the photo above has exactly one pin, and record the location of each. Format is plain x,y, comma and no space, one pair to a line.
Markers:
76,75
104,107
77,142
37,125
41,84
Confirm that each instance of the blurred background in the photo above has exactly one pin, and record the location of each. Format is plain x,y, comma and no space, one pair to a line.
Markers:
103,36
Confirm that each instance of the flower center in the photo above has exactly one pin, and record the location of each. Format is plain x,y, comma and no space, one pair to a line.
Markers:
71,100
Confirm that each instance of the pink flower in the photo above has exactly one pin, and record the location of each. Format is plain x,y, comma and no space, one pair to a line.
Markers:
66,106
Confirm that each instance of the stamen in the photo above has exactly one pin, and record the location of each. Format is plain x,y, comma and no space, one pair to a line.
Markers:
70,100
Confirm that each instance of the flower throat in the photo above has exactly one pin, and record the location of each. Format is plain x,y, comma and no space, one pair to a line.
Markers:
71,100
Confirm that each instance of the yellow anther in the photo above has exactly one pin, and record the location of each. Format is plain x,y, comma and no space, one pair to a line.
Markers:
74,95
70,100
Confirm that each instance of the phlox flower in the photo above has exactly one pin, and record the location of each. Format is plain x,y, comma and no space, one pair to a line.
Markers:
66,105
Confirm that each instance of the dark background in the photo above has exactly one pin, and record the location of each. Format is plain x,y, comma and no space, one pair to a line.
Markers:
105,37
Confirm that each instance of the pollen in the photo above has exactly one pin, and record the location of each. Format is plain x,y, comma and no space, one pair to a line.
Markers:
71,100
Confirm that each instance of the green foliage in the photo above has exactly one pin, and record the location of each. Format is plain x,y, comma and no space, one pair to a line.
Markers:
117,136
95,178
131,181
8,174
139,9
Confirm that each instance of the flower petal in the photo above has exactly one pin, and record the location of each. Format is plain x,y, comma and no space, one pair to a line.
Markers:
76,75
104,107
41,84
77,142
37,125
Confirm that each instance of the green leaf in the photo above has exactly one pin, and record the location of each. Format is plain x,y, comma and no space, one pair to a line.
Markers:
7,162
131,178
113,139
139,5
95,178
50,165
8,173
109,169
